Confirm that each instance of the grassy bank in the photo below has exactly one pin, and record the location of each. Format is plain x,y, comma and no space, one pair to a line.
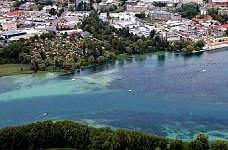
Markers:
12,69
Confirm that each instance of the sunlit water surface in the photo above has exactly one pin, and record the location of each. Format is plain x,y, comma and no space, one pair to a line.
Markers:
170,95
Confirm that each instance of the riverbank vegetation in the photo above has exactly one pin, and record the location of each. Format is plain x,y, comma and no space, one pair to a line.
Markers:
67,134
69,52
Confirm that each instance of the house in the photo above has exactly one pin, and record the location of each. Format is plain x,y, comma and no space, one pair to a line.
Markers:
140,7
8,25
13,14
192,1
219,2
223,27
223,10
160,15
200,20
27,5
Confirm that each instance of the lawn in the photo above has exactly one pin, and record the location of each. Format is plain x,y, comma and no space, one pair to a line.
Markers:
11,69
148,20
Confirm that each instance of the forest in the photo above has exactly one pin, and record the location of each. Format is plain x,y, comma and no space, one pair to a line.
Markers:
67,134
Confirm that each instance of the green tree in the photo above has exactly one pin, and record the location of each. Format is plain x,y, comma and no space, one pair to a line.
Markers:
190,48
91,60
188,10
204,140
219,145
101,59
52,11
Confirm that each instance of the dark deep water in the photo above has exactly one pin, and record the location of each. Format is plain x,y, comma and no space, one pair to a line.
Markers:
170,95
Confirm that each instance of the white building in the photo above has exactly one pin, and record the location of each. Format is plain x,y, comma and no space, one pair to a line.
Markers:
220,1
193,1
8,25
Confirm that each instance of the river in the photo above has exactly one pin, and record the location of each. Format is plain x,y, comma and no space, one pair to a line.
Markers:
167,94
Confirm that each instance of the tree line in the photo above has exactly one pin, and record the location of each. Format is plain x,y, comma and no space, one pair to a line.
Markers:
67,134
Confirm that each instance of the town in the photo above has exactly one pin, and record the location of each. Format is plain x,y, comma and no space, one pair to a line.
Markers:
25,19
61,35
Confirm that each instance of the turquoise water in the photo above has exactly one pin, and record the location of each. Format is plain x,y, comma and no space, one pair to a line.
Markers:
170,95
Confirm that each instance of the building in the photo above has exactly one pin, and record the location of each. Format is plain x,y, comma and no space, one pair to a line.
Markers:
223,27
172,37
27,6
137,8
12,34
71,3
203,11
160,15
219,2
192,1
223,10
13,14
200,20
8,25
48,8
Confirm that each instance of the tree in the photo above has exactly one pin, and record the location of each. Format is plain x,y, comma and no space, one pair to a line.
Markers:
52,11
190,48
219,145
101,59
226,32
176,145
71,8
196,145
214,13
188,10
91,60
152,34
204,140
140,15
200,43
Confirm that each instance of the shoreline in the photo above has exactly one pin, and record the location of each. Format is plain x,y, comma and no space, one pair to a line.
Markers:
18,66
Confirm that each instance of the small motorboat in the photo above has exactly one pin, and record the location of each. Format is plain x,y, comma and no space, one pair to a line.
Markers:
73,79
129,90
45,113
204,70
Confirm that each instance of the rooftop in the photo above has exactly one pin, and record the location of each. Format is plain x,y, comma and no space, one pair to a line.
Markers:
202,19
14,13
222,26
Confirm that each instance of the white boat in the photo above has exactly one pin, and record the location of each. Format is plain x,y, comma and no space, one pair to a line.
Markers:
204,70
129,90
46,113
73,79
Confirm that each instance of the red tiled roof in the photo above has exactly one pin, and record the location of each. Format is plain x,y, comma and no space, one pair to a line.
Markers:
202,19
14,13
219,3
222,26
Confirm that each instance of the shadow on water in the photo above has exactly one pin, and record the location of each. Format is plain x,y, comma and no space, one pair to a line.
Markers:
161,56
189,56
